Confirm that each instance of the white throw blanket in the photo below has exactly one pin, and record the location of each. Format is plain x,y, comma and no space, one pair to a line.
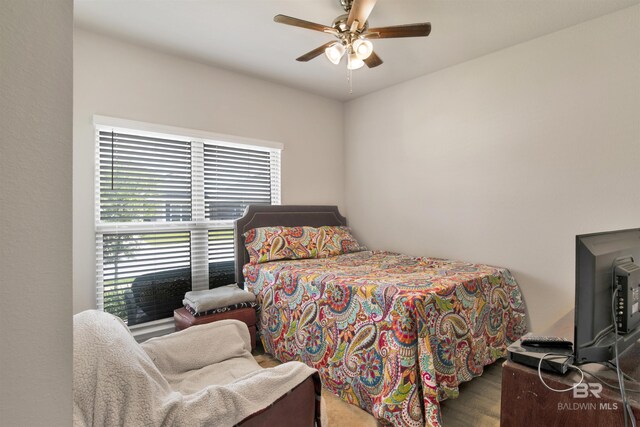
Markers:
117,383
222,296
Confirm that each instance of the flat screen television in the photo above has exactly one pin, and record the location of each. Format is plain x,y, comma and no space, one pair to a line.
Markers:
606,262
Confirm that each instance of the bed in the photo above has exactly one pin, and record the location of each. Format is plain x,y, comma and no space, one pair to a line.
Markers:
390,333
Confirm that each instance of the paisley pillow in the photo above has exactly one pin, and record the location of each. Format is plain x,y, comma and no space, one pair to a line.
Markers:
336,240
266,244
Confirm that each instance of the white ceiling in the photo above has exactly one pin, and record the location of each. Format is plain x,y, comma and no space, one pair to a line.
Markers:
240,35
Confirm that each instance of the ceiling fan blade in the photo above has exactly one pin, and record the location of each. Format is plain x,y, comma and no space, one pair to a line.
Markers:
315,52
360,11
407,30
288,20
373,60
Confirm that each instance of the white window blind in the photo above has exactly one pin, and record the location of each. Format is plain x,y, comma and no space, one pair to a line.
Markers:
233,179
145,274
165,205
144,178
220,256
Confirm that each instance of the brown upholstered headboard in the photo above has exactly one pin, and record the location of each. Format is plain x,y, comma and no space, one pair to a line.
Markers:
285,215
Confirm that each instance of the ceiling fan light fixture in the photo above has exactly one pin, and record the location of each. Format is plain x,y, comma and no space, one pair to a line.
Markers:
353,62
362,48
335,52
353,35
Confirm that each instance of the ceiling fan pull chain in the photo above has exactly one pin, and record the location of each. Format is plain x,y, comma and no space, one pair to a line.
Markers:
350,80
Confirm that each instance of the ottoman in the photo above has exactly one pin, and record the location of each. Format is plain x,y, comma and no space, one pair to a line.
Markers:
183,319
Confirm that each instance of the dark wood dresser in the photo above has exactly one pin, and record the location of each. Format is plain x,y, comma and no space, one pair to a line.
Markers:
526,401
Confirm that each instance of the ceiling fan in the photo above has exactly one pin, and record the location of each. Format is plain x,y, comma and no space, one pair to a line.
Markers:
354,35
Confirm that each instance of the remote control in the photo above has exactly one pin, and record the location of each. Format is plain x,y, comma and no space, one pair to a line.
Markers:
545,341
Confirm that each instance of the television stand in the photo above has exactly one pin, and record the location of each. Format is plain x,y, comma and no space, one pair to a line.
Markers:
526,401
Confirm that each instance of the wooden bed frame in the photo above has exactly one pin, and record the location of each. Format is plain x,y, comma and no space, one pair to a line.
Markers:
285,215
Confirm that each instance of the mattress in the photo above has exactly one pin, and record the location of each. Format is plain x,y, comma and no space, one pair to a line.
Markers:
390,333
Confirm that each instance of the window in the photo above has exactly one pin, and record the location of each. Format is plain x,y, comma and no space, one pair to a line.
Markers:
165,205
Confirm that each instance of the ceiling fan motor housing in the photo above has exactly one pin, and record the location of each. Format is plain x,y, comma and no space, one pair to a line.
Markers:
346,5
340,24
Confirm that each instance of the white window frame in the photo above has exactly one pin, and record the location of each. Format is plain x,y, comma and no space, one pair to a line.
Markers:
199,225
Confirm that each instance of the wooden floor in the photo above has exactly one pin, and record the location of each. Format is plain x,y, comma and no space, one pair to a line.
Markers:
479,401
477,405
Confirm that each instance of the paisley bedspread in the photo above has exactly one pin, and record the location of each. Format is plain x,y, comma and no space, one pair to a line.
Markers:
390,333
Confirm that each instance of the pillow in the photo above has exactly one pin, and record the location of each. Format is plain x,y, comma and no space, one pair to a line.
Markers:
336,240
266,244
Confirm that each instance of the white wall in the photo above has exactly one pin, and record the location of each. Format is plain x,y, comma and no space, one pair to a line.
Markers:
116,79
35,212
504,159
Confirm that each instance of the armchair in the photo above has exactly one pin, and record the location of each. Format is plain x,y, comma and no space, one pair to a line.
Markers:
204,375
